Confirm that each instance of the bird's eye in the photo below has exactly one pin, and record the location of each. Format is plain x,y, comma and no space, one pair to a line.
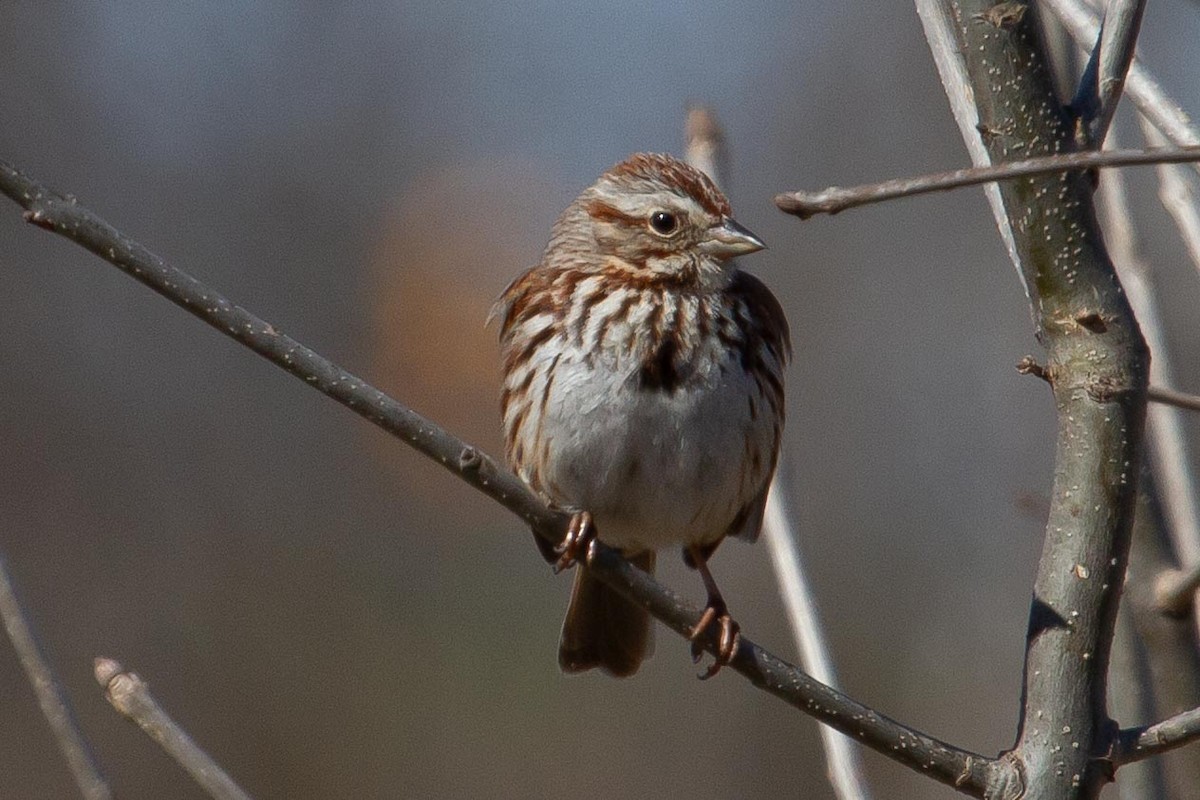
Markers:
664,223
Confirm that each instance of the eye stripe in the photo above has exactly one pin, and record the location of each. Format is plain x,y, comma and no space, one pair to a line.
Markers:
602,211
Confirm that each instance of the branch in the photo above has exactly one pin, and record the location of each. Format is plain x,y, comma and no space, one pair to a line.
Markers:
1175,590
1099,364
1145,93
835,198
1134,744
967,771
942,37
845,767
1104,77
130,695
1174,476
1177,196
1169,643
50,695
706,151
1131,693
704,143
1170,397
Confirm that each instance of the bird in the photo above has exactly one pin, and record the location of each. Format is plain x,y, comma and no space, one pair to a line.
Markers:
643,392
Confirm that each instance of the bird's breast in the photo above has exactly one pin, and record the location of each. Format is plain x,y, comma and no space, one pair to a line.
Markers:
640,411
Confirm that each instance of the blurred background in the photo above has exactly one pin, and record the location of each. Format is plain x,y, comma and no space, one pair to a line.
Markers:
333,616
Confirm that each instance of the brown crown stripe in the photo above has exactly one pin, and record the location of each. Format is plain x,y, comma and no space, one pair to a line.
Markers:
663,169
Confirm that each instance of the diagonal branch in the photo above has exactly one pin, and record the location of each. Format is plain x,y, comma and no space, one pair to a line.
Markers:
50,694
706,151
1176,590
836,198
1134,744
1143,90
130,695
969,772
938,25
1170,397
1104,77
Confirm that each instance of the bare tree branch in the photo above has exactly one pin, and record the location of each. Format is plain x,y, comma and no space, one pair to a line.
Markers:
942,37
1169,642
969,772
1176,191
1099,367
1170,397
50,695
1145,93
1180,503
1134,744
1175,590
1131,686
1174,474
704,144
845,767
1104,76
130,695
706,150
1131,697
836,198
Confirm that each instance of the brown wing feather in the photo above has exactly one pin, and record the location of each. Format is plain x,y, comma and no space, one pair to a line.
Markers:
768,332
514,296
770,323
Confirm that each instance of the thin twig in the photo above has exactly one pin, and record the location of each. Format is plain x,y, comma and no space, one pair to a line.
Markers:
1174,475
1144,92
836,198
1170,645
1170,397
1180,502
130,695
704,144
940,35
706,150
1134,744
845,767
1176,191
1104,76
50,695
1143,645
969,772
1175,590
1131,692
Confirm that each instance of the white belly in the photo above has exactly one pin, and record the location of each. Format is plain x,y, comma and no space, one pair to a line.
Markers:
653,467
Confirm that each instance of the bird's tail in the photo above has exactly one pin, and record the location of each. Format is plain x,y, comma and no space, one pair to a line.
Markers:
602,628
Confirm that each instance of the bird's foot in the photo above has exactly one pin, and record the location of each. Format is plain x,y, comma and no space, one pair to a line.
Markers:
727,631
580,535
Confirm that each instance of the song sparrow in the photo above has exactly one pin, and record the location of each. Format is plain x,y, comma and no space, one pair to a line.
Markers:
643,389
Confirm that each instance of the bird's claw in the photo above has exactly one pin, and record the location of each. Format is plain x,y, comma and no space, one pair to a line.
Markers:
578,541
728,638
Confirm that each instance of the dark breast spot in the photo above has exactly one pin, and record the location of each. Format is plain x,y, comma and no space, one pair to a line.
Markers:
659,372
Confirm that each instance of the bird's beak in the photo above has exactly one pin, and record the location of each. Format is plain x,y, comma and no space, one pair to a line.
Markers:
727,239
